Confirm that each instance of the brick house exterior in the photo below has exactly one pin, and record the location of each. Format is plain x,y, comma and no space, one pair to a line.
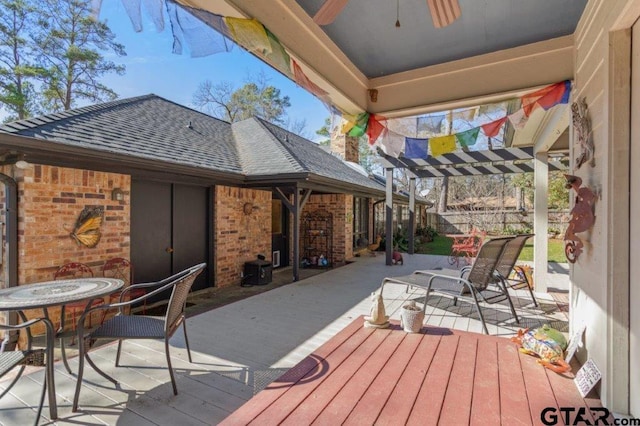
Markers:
71,168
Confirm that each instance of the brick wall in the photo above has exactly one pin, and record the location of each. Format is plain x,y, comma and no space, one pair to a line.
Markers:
341,208
346,146
50,200
239,237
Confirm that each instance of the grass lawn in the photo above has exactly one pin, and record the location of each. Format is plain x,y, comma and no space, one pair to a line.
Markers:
441,245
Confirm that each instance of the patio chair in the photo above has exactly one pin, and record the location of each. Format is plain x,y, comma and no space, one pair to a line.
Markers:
121,268
471,283
11,359
123,326
69,271
507,264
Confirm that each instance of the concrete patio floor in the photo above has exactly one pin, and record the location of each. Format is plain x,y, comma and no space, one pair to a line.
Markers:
238,349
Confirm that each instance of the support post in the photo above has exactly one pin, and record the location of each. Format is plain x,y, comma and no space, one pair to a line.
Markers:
540,220
388,211
296,234
412,214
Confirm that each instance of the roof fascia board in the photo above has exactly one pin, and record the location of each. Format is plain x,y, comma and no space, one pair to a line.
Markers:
492,77
46,152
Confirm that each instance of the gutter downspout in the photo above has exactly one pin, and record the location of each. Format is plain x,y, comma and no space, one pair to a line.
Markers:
11,270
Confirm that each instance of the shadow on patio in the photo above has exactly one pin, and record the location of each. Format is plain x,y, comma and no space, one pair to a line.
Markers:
239,348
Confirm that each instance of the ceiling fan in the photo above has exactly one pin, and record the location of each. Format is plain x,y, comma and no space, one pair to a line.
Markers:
443,12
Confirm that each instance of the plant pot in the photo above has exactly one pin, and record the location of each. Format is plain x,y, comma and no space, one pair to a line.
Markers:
411,318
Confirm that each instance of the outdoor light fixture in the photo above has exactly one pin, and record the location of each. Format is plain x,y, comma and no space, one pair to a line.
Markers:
22,165
117,194
16,160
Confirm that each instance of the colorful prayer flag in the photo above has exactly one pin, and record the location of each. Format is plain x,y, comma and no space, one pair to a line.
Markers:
519,119
361,125
464,114
249,33
468,137
391,143
442,145
492,129
305,83
374,127
430,124
547,97
278,57
415,148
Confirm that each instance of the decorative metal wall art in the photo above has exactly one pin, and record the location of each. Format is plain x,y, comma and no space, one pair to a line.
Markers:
582,217
87,229
583,133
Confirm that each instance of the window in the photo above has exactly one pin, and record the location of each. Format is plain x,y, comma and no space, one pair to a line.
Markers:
360,221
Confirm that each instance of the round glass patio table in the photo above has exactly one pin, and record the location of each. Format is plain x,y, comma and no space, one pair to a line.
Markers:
55,293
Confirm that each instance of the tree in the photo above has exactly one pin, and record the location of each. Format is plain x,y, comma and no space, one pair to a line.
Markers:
18,95
70,47
254,99
325,132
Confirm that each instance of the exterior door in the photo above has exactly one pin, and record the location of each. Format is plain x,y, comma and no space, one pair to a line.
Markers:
634,225
169,230
279,231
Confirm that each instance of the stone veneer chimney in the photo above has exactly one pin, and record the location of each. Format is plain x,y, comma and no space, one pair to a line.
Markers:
346,146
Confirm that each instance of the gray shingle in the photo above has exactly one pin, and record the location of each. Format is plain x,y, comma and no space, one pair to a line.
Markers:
147,127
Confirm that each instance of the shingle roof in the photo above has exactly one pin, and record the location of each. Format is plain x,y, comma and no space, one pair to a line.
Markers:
311,158
148,127
153,128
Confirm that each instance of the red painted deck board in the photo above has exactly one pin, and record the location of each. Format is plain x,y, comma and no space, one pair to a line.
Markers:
388,377
485,409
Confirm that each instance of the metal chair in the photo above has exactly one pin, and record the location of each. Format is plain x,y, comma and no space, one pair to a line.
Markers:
121,268
30,356
73,270
471,283
123,326
507,263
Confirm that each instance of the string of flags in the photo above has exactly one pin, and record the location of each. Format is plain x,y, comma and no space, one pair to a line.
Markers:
394,144
207,33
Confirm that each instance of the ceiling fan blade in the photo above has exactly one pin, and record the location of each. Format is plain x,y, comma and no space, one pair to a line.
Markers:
444,12
329,11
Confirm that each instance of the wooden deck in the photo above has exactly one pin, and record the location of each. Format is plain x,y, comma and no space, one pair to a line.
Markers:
388,377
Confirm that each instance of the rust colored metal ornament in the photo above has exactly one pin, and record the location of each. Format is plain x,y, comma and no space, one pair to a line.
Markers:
582,217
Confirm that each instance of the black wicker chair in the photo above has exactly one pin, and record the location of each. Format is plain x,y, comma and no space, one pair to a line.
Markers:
123,326
13,358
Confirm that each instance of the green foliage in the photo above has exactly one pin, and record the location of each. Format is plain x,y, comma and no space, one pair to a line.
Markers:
325,132
428,232
18,71
51,56
70,47
515,230
255,99
557,194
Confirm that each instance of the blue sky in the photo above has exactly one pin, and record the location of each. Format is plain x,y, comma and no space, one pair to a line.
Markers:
153,68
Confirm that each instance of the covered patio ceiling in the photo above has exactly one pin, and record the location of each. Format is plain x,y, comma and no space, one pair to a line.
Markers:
496,50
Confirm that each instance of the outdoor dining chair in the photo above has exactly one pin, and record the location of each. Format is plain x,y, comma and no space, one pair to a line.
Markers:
69,271
507,264
471,283
122,269
125,326
11,359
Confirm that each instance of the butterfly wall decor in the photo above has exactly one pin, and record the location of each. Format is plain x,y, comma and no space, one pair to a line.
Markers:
87,228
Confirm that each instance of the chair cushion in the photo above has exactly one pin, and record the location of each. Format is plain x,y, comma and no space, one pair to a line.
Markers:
131,326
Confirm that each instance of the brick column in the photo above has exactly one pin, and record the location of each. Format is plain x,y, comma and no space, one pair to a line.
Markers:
346,146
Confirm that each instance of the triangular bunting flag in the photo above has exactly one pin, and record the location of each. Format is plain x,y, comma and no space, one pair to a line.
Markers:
468,138
442,145
492,129
415,148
